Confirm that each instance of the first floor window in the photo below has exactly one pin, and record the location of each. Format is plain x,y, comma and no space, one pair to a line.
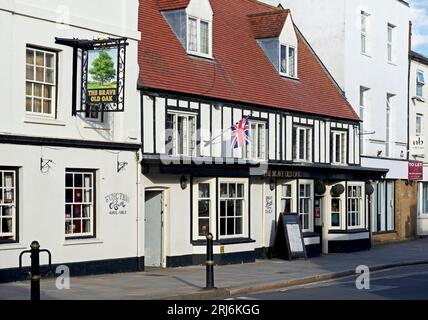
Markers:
305,206
355,206
302,144
232,202
181,134
336,212
40,81
420,83
338,147
204,209
287,198
364,27
199,37
79,203
383,206
8,205
257,149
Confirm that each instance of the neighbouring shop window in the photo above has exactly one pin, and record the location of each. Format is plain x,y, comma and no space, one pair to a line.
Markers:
302,144
8,205
232,206
306,205
355,206
257,149
336,213
383,207
79,204
204,209
338,147
41,82
423,199
181,134
287,198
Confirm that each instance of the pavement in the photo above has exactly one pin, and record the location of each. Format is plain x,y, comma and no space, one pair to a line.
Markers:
188,283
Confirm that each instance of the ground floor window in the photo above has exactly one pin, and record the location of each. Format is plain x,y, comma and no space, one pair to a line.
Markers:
336,213
286,198
423,199
226,217
355,206
306,196
8,205
383,206
79,203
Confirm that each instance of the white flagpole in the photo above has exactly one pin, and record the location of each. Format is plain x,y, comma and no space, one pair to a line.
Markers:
221,134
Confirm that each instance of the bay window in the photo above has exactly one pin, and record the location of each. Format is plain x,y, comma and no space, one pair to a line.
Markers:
41,83
79,204
302,144
181,134
8,205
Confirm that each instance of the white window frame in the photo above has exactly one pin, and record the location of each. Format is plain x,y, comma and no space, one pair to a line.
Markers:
293,198
34,82
175,135
421,212
419,124
311,198
343,148
390,43
245,205
91,204
296,144
388,113
254,147
198,52
364,16
11,204
287,61
361,213
213,207
339,227
420,83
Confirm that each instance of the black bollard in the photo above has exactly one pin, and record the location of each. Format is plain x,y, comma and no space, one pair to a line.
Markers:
35,271
210,261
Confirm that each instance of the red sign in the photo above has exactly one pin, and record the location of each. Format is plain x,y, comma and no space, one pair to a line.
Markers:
416,170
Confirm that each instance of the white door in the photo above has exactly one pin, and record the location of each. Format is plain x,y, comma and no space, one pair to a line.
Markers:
153,229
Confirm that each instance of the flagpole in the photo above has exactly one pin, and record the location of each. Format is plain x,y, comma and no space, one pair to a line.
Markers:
221,134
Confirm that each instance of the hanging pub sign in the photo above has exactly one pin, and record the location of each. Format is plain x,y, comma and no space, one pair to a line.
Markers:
102,74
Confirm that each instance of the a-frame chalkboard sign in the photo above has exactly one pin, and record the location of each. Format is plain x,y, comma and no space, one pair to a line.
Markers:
289,243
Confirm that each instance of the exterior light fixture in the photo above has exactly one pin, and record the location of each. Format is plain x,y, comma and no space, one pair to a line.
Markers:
183,182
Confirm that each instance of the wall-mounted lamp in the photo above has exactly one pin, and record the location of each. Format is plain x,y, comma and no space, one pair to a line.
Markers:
121,166
272,184
45,165
183,182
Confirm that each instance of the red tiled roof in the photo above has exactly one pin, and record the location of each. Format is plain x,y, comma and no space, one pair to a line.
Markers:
172,4
268,24
240,71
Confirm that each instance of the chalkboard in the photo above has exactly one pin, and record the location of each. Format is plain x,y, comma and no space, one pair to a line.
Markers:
289,243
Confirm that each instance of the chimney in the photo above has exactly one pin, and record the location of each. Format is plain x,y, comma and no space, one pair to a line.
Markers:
410,35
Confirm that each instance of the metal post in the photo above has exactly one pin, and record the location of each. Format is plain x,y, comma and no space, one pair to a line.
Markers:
35,271
210,262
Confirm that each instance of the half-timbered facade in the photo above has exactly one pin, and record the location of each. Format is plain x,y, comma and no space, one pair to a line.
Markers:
205,66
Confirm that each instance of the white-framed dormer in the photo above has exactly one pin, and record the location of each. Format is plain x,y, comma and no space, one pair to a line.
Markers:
199,22
288,50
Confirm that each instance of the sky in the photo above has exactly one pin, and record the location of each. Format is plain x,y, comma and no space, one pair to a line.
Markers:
419,13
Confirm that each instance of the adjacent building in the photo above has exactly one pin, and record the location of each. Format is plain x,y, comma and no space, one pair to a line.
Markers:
67,181
365,45
418,119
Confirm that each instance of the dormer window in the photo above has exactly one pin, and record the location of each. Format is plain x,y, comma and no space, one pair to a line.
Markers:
288,61
199,37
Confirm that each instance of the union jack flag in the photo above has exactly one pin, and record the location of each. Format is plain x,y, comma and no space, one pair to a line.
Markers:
241,133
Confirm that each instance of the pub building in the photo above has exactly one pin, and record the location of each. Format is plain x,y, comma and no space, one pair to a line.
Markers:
205,65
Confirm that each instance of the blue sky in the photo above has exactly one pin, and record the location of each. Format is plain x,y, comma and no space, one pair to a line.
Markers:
419,12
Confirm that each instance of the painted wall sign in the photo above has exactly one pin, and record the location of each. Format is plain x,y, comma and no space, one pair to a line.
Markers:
416,170
117,203
269,205
282,174
417,146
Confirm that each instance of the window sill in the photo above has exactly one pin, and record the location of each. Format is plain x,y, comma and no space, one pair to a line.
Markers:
97,128
224,242
349,231
200,55
391,63
79,242
12,246
289,77
42,120
366,55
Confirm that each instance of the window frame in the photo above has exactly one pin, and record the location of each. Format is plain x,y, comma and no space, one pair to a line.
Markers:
361,213
249,148
294,200
388,114
213,207
420,83
382,203
311,198
364,25
14,205
54,85
245,204
174,147
421,212
288,48
343,147
419,128
198,51
390,42
296,144
93,218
